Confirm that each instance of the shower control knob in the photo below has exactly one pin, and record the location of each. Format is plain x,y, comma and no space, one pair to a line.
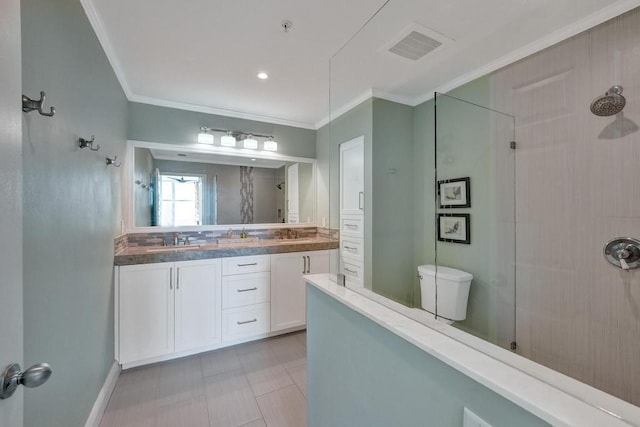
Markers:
623,252
13,376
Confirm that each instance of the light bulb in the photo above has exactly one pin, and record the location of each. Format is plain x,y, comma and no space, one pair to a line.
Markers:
228,140
251,143
270,145
205,138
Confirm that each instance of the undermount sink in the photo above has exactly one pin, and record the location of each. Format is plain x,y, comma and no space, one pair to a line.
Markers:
237,240
172,248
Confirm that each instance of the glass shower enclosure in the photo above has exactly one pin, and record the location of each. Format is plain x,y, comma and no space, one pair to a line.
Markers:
474,217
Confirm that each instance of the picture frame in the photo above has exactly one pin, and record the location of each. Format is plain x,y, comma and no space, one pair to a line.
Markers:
454,228
454,193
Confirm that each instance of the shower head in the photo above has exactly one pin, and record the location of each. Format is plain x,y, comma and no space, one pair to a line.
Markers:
610,104
280,185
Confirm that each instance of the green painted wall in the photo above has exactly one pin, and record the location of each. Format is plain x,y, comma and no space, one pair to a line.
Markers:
360,374
71,210
172,126
392,234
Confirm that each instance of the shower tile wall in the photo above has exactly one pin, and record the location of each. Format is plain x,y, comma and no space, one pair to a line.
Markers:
578,185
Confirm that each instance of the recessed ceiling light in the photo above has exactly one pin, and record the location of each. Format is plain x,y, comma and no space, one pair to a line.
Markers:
263,76
253,160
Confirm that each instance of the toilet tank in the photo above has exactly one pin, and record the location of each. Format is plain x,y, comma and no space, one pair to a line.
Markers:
452,291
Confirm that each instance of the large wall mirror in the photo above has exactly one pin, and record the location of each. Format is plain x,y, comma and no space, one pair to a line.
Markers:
191,186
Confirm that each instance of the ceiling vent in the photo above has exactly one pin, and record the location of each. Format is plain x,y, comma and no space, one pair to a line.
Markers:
415,41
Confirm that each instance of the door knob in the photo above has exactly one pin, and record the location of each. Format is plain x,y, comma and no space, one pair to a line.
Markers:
13,376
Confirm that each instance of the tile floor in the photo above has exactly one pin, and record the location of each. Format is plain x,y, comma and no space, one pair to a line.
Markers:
255,384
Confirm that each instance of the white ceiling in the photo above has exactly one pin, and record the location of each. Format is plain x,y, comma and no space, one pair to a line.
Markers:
203,55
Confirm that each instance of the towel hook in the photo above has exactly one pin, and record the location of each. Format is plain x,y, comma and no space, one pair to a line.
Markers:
113,162
29,105
88,143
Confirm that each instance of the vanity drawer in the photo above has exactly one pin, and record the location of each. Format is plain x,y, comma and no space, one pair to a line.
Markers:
352,225
353,271
245,264
245,289
244,322
352,247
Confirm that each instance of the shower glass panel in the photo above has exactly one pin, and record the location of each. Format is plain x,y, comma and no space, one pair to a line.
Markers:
474,218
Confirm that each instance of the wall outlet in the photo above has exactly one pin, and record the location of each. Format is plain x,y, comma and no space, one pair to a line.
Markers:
472,420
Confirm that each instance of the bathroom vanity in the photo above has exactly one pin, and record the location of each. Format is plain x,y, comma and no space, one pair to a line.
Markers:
181,301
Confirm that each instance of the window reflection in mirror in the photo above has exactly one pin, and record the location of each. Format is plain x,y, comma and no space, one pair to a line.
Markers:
190,189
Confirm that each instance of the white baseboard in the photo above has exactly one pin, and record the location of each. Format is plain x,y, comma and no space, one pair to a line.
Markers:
95,416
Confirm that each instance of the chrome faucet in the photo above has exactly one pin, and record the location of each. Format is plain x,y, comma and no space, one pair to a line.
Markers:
176,239
230,233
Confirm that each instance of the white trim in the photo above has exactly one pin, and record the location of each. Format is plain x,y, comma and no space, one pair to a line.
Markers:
218,111
557,36
103,38
97,412
544,399
345,108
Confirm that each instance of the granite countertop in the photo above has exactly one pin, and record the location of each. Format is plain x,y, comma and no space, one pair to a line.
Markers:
155,254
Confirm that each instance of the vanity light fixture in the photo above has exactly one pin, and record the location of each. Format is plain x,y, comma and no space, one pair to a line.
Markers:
231,137
204,137
270,145
228,140
250,142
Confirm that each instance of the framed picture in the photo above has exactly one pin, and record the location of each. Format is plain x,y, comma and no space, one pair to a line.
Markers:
455,193
454,228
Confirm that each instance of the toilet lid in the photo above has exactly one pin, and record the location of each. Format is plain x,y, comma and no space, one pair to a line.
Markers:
445,272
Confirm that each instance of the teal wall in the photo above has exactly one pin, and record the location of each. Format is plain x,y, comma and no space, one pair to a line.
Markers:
71,210
360,374
392,234
172,126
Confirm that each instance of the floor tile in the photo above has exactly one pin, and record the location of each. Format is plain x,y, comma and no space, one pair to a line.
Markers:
180,380
256,423
230,400
187,413
219,361
299,376
284,408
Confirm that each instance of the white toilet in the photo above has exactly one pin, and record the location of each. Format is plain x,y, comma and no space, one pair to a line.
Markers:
453,292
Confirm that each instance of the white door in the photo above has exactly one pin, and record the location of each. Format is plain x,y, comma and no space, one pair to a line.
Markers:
293,210
288,302
197,309
146,317
11,326
352,177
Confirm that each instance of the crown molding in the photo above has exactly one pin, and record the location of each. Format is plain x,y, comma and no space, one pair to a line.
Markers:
549,40
219,112
103,38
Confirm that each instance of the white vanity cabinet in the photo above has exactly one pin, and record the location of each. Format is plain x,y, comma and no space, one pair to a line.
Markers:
167,308
246,293
288,298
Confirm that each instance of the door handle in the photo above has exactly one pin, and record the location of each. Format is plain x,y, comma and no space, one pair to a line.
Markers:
247,290
247,265
308,264
304,264
171,279
13,376
361,200
246,321
177,278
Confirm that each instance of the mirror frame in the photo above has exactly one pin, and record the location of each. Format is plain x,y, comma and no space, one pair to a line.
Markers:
128,186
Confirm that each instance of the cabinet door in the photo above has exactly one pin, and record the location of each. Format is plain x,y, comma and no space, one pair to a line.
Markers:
288,304
288,297
145,309
352,176
197,304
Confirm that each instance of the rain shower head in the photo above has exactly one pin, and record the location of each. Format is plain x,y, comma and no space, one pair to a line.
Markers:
610,104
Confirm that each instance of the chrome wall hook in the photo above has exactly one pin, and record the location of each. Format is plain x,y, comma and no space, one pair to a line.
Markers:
84,143
29,105
113,162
